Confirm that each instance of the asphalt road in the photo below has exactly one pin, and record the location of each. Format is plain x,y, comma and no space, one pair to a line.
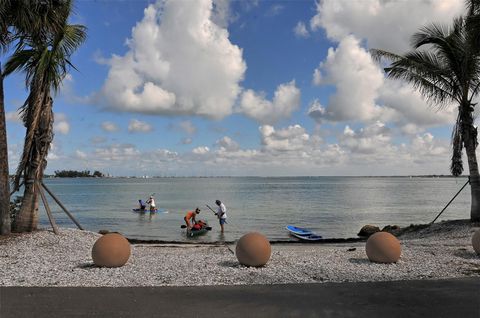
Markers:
421,298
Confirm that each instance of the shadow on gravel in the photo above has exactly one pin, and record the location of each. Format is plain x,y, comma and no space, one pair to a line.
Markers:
465,253
233,264
86,265
359,260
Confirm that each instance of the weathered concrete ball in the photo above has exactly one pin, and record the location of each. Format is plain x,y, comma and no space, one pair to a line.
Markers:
111,250
476,241
383,247
253,249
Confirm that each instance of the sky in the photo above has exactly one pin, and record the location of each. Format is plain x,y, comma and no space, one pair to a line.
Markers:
242,88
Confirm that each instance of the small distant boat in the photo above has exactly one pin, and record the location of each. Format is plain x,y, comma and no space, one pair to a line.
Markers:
309,237
298,230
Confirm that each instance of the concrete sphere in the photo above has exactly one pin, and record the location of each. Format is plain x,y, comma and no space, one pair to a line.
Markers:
383,247
253,249
476,241
111,250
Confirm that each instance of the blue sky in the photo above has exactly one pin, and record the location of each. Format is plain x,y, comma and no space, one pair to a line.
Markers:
180,88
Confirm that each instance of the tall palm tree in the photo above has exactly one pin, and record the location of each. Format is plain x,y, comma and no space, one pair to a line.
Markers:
44,57
444,66
5,222
19,18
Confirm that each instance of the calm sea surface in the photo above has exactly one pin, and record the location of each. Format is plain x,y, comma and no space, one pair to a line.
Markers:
332,206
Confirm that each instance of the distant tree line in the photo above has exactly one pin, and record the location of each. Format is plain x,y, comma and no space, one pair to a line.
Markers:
78,174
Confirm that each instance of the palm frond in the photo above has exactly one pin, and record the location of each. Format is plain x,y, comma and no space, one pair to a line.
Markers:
431,34
18,61
473,6
427,74
70,38
380,55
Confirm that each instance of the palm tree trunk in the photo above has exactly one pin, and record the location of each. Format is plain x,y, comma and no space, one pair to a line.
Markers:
27,218
470,142
5,224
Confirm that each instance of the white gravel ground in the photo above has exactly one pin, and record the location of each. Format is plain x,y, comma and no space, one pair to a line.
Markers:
45,259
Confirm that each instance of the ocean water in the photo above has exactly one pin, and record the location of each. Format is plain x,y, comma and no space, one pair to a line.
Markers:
334,207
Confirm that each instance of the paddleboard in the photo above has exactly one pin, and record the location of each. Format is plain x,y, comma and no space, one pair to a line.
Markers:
148,211
309,237
298,230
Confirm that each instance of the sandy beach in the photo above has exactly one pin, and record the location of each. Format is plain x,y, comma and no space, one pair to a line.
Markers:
44,259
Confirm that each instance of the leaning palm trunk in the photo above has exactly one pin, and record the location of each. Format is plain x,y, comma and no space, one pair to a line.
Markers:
469,133
5,225
39,135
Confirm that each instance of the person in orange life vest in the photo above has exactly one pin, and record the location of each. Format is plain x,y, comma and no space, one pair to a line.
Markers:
190,218
199,225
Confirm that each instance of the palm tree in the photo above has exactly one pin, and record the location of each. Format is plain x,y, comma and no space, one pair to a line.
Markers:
44,57
447,70
19,18
5,223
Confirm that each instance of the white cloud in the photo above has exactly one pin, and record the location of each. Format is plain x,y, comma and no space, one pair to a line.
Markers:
165,69
410,108
285,101
201,150
292,138
116,152
369,140
290,150
228,144
357,79
316,110
54,153
61,124
364,95
109,126
300,30
136,125
424,149
317,75
222,14
384,24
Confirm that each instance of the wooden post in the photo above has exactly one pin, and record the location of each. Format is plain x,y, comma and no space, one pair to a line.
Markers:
47,208
61,205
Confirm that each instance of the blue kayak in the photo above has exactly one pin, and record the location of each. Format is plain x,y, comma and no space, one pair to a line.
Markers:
298,230
308,237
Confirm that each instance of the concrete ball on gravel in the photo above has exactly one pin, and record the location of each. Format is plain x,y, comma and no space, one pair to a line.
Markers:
111,250
253,249
383,247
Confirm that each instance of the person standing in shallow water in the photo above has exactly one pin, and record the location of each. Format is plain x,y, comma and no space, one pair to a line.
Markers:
151,201
221,213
